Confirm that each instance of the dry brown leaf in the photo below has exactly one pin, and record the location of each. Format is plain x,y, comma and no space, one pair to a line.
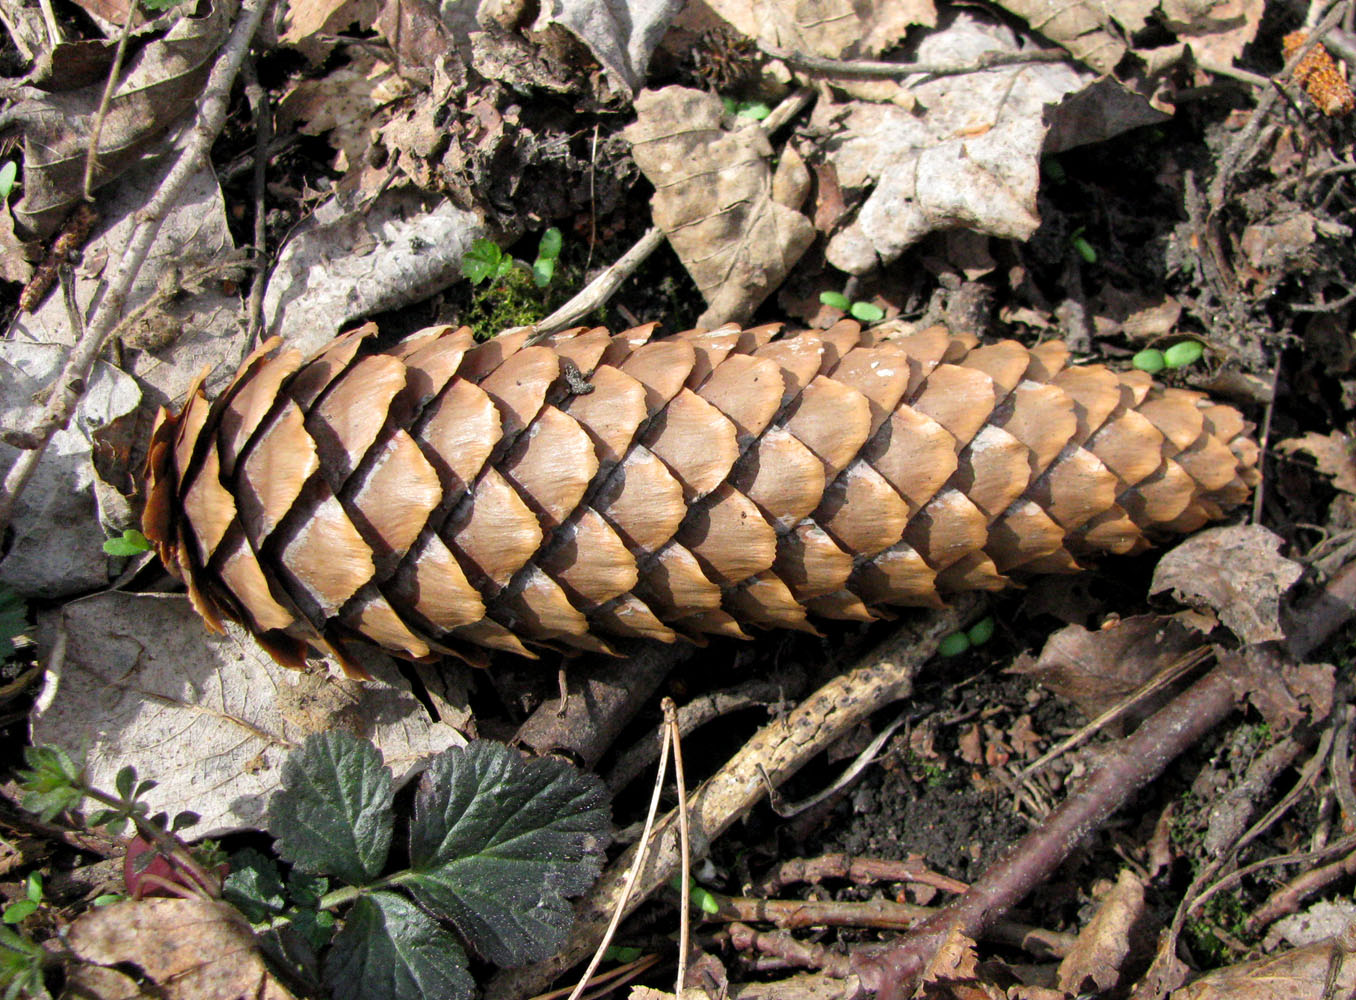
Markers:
1284,692
1096,670
1335,454
831,28
1092,30
621,34
191,949
1217,30
714,199
1237,572
1135,314
160,82
1097,961
1292,975
312,24
345,105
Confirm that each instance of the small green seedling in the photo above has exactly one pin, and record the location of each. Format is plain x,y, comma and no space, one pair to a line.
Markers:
1082,247
867,312
9,174
1149,360
544,267
954,645
132,543
17,912
980,632
622,954
485,262
756,110
1183,353
701,898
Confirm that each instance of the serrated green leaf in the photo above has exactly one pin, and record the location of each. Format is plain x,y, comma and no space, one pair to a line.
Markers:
481,261
254,886
304,889
390,949
867,312
9,173
550,245
499,842
835,300
332,814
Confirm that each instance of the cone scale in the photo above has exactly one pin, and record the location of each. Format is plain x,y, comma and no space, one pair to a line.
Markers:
448,497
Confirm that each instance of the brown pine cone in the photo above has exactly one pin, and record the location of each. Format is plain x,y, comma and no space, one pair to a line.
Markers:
446,495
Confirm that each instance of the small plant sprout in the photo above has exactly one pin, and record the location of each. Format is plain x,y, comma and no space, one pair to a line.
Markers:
756,110
954,644
867,312
485,262
131,543
1082,247
980,632
544,267
9,175
1149,360
17,912
1179,355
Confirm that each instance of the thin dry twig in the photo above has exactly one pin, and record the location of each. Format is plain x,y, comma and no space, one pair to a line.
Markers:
110,85
263,135
859,870
70,386
875,69
685,871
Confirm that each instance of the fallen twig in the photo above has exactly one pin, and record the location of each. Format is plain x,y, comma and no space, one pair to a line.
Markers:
70,386
876,69
859,870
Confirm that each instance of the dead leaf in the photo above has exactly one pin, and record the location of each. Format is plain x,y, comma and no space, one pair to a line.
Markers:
1276,245
209,717
714,199
1284,692
191,949
1323,920
621,34
57,546
161,80
1237,572
342,105
1089,29
1136,315
312,24
1097,962
831,28
970,161
1292,975
1335,454
1217,30
1096,670
344,263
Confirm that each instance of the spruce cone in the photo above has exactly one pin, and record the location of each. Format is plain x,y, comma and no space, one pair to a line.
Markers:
444,495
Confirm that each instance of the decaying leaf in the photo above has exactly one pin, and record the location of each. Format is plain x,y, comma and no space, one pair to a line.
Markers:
1300,974
714,199
1335,454
1096,670
1284,692
160,82
1097,963
343,104
969,161
345,262
621,34
312,24
832,28
1217,30
210,718
1093,31
1236,572
56,545
191,949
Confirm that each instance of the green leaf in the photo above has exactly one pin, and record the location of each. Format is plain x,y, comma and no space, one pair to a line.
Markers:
125,781
254,886
543,270
34,889
304,889
390,949
551,243
315,926
482,261
21,962
980,632
756,110
622,953
332,814
1183,353
1084,249
835,300
107,899
1149,360
160,4
867,312
13,621
184,820
131,543
499,842
954,644
16,912
9,173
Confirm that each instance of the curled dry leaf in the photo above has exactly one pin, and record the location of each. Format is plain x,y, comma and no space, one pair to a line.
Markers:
160,82
1237,572
1096,670
1334,453
1300,974
211,719
1217,30
621,34
714,199
191,949
1092,30
830,28
1284,692
1098,961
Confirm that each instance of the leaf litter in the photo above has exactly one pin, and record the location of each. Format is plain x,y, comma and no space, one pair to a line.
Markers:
879,172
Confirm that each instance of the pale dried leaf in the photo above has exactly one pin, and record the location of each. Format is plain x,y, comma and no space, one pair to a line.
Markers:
1292,975
195,324
346,105
1238,572
160,82
191,949
621,34
1087,28
1096,670
1284,692
970,161
1097,961
311,25
1217,30
831,28
345,263
1335,454
209,717
14,263
57,543
713,197
1134,313
1323,920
